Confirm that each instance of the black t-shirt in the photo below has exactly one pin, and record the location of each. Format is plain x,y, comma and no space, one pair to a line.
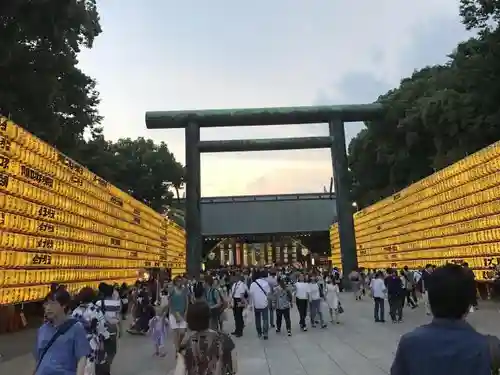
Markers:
470,273
425,279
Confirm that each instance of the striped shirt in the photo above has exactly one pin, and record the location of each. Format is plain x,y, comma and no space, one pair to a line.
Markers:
111,309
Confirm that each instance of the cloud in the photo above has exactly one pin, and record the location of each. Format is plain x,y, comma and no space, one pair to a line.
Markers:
303,178
226,54
431,42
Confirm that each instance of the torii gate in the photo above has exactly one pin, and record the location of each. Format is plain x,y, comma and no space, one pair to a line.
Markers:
335,116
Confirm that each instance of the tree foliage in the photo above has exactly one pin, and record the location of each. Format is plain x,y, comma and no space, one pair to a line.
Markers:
480,14
41,86
147,171
435,117
43,90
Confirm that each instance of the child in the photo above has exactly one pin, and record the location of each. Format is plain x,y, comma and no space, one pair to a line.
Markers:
158,330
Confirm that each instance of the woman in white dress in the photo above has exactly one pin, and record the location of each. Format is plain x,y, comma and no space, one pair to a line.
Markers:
332,299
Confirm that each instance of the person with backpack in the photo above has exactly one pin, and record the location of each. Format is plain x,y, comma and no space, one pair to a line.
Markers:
259,299
214,301
110,305
408,285
61,342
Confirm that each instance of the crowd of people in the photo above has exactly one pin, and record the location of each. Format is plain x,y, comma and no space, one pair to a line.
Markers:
447,344
399,288
81,333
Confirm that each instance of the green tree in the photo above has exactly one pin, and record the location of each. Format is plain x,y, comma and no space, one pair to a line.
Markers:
43,90
480,14
41,87
96,154
145,170
434,118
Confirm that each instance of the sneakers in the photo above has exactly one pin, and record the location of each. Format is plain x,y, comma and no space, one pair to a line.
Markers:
289,333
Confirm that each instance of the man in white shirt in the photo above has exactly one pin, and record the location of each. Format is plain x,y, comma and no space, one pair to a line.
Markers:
259,292
302,291
239,294
378,289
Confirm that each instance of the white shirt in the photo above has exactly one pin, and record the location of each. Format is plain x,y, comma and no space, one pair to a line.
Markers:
238,289
272,281
416,276
258,295
302,290
163,300
314,291
111,309
378,288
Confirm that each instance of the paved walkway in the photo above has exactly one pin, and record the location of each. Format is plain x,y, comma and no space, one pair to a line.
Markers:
357,346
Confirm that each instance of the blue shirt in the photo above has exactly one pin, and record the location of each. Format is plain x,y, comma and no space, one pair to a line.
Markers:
63,356
211,296
178,302
443,347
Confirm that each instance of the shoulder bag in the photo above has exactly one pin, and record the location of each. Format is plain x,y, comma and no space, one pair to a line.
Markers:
261,288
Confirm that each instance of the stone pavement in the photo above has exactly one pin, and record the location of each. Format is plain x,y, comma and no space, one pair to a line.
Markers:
356,346
135,357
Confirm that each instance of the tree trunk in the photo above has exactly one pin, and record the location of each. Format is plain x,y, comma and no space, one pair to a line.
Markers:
177,194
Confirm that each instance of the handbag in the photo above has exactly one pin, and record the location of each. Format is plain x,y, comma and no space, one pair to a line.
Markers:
340,309
63,328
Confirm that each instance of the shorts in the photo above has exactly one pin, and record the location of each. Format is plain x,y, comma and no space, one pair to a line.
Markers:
176,325
159,340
